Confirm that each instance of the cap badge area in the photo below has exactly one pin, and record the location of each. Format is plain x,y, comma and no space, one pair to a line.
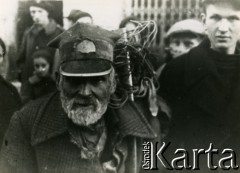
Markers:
86,46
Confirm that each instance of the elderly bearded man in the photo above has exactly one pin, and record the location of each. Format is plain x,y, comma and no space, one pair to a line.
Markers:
76,130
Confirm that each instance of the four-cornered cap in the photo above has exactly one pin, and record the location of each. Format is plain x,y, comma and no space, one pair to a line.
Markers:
85,50
42,4
77,14
188,25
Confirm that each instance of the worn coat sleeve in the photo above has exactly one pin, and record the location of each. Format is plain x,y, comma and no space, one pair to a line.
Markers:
17,155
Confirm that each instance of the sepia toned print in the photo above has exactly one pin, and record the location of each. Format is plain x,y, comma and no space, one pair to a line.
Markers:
124,86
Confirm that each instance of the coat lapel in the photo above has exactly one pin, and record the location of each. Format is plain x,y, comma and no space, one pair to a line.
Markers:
232,114
203,86
51,121
132,122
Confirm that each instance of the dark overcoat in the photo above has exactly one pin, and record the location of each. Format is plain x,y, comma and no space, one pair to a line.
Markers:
9,103
36,90
38,140
201,111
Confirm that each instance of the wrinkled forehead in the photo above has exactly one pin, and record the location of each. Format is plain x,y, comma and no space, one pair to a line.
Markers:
227,4
223,10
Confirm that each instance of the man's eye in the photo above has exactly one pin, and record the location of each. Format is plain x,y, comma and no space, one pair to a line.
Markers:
72,80
188,44
175,43
98,79
215,17
233,18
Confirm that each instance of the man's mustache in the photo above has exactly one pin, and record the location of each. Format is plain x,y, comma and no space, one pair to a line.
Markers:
84,101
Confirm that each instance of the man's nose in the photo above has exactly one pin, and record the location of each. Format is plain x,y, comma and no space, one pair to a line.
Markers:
36,15
84,89
223,25
41,69
181,48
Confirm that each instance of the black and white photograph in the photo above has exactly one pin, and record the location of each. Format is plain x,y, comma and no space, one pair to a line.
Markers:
119,86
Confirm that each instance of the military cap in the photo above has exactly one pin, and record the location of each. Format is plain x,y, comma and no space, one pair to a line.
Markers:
77,14
188,25
42,4
85,50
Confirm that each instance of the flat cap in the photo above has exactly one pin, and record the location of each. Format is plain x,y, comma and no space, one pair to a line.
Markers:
85,50
188,25
77,14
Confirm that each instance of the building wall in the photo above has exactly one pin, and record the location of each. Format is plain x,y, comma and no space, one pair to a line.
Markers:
8,12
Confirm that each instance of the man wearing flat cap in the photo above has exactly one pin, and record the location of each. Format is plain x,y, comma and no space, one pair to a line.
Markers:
78,16
75,129
37,36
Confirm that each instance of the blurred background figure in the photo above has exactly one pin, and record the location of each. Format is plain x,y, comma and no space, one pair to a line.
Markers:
77,16
36,37
10,99
129,23
41,82
182,37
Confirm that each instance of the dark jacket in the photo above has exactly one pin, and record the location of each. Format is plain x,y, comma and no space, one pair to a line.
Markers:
35,38
9,103
36,90
192,86
38,140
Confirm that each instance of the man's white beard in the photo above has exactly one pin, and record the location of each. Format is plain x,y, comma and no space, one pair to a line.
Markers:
83,115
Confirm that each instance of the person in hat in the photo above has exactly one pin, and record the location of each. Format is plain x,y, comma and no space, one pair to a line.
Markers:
180,38
43,30
183,36
202,87
41,82
78,16
10,99
75,129
128,23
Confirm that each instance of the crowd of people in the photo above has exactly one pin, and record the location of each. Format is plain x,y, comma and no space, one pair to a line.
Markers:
89,101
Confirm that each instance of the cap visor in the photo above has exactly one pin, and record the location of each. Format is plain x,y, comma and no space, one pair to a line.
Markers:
86,68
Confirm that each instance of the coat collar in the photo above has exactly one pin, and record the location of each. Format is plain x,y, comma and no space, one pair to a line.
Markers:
202,81
199,64
52,121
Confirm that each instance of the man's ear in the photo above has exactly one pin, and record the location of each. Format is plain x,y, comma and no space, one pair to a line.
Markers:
203,18
114,85
57,77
